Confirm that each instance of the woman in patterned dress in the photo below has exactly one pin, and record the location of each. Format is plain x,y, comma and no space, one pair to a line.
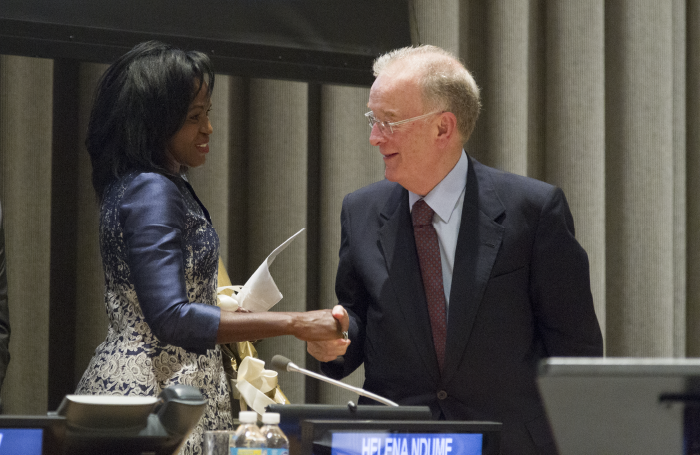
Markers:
149,123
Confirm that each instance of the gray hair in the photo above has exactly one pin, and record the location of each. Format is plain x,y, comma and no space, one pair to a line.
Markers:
445,83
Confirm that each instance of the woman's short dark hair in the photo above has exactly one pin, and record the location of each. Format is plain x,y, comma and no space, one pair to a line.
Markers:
141,102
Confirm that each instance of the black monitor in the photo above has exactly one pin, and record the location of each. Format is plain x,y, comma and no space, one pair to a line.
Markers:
374,437
622,405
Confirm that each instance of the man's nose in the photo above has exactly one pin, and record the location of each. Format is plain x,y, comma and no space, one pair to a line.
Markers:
376,136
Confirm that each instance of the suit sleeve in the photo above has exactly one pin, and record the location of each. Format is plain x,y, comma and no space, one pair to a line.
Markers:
353,297
153,216
560,285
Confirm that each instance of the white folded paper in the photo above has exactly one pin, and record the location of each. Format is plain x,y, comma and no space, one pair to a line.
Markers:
259,293
254,381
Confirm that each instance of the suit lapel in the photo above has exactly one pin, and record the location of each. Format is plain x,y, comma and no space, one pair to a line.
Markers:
478,243
398,245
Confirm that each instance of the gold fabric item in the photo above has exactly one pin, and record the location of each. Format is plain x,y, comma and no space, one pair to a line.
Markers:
232,356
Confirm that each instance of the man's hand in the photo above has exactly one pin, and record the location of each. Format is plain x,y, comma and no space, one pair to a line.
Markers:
325,351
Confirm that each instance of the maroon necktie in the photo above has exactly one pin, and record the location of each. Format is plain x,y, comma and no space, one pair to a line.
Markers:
431,271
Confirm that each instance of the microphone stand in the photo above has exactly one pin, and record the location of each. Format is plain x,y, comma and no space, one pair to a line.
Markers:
282,363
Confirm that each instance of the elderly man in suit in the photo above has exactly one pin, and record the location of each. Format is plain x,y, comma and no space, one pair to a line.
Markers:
457,277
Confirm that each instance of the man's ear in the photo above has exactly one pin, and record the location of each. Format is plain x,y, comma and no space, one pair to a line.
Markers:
447,128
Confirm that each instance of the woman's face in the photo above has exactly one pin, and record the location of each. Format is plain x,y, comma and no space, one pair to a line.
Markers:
190,145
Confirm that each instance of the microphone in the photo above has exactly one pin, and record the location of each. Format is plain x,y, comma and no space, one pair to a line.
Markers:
281,363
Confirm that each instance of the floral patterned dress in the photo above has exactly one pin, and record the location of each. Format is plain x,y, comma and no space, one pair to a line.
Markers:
160,257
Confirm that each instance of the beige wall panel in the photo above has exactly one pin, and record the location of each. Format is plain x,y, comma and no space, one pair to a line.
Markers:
506,87
26,97
277,204
575,134
679,178
91,317
639,178
348,162
693,180
436,23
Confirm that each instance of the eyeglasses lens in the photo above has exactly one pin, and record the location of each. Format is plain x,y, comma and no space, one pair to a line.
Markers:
383,127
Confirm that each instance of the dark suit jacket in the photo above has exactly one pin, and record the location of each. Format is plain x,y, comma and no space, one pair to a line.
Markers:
520,292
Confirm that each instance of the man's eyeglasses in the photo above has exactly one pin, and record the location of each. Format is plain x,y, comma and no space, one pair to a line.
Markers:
388,127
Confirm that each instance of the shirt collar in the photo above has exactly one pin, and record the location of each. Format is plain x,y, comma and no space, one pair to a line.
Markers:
444,197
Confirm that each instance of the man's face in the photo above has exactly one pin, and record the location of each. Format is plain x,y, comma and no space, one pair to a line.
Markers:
408,152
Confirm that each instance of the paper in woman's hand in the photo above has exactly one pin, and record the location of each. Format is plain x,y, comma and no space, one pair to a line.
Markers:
259,293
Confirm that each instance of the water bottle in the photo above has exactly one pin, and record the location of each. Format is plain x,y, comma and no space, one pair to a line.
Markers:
276,442
247,440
